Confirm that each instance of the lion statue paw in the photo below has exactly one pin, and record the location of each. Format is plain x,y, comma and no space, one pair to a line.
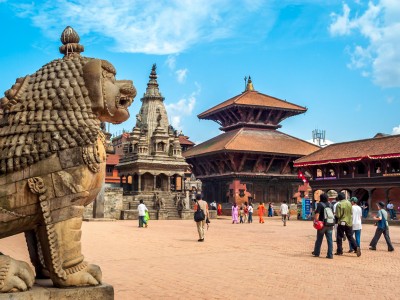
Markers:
15,275
90,275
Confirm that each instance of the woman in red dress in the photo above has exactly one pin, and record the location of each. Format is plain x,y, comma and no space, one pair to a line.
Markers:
219,209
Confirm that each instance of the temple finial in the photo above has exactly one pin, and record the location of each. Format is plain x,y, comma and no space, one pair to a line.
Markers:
249,86
70,40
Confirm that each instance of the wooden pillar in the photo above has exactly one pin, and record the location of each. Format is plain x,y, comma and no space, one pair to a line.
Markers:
154,182
169,184
120,181
139,182
369,202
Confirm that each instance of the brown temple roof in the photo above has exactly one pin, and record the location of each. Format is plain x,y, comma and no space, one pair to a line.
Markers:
375,148
253,140
253,98
184,140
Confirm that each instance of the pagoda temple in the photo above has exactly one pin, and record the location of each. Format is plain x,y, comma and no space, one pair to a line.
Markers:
251,161
152,167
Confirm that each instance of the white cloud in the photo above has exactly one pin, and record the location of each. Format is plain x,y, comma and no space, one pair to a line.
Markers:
379,25
341,24
181,75
396,130
152,27
182,108
171,62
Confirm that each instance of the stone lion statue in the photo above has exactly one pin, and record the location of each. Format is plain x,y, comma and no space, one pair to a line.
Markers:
52,162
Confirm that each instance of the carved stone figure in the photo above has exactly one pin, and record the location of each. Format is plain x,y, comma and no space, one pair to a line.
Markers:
159,202
180,202
52,162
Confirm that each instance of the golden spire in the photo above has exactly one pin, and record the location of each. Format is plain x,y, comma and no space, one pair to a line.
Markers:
249,86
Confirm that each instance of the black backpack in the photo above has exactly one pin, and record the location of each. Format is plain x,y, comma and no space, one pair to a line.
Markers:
199,214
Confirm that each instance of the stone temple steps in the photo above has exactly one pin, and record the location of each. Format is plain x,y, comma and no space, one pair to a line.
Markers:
131,203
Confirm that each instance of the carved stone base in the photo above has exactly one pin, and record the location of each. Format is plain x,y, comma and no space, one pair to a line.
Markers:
162,214
44,290
187,214
213,214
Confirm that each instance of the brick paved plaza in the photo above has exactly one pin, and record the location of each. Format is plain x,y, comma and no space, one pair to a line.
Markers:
244,261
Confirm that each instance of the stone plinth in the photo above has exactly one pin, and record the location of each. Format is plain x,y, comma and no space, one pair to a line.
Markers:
132,214
187,214
109,206
162,214
212,214
44,290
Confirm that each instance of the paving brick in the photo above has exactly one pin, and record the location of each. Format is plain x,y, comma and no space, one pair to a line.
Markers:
236,261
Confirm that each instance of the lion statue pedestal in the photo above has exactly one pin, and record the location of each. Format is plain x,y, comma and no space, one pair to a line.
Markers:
52,162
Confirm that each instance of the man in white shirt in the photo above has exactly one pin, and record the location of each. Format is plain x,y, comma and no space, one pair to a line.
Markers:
357,215
142,212
390,208
284,212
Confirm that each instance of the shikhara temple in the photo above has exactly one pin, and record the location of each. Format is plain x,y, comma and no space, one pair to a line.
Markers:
368,169
152,167
252,160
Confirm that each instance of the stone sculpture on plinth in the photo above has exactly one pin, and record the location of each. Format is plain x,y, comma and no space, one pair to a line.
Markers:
52,162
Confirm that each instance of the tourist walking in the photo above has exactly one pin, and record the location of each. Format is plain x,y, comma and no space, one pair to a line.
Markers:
200,224
142,213
261,211
365,208
284,212
391,210
213,205
250,208
246,212
219,209
241,213
324,231
235,213
382,226
357,226
344,214
270,212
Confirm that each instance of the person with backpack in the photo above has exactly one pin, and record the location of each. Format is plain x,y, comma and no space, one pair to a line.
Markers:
382,226
357,226
321,214
344,214
201,216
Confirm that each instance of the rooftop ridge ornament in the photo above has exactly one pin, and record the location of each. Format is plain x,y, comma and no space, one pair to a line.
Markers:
249,85
70,40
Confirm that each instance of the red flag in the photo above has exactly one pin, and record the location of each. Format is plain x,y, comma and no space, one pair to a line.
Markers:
301,176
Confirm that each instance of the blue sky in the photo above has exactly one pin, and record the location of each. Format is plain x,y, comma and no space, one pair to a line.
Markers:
340,59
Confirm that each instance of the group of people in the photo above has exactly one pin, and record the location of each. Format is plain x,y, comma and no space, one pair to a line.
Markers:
244,212
346,215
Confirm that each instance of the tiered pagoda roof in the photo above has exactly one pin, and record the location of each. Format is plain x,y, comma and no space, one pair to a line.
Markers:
250,121
251,109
